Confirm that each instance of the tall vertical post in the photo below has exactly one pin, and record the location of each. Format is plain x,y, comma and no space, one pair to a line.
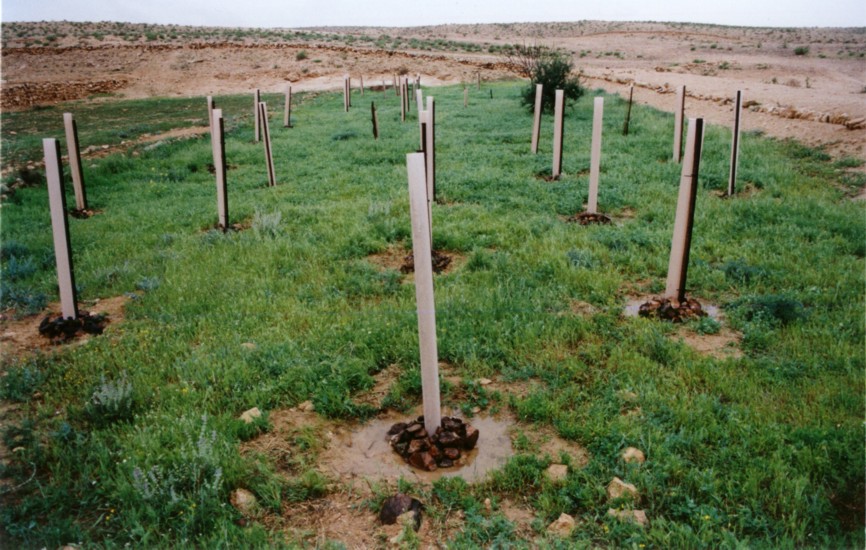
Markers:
74,151
628,111
675,289
210,108
266,138
423,122
424,292
735,144
479,80
431,149
60,229
361,79
558,128
349,89
411,94
595,154
419,99
257,98
396,91
536,121
219,162
678,123
287,111
402,101
375,119
346,93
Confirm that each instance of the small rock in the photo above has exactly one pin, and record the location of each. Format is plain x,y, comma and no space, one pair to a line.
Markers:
618,488
638,517
632,455
485,381
248,345
244,501
307,406
396,506
471,437
562,527
422,461
488,506
476,410
557,472
250,415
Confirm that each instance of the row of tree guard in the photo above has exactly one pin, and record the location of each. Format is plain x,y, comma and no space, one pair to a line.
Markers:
421,174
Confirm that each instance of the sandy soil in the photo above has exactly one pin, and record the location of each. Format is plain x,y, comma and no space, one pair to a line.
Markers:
810,97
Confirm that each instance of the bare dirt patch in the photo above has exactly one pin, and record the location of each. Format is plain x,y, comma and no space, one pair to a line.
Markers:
722,345
20,337
396,257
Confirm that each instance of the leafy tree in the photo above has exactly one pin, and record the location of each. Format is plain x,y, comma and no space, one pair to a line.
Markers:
551,68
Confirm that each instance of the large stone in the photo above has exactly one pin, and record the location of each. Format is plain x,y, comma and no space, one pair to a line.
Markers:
562,527
471,437
637,517
557,472
633,455
250,416
244,501
307,406
395,507
422,461
618,488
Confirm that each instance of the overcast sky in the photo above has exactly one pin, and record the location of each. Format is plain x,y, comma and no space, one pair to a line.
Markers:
304,13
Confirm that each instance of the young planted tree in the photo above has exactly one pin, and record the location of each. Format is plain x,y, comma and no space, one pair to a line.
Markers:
552,69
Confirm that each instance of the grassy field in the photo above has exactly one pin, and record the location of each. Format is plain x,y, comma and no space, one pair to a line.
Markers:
134,438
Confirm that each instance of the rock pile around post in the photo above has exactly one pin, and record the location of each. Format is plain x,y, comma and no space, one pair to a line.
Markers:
441,261
668,310
424,451
60,329
586,218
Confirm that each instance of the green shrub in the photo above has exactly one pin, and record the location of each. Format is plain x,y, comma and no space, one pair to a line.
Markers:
801,50
553,70
111,401
301,55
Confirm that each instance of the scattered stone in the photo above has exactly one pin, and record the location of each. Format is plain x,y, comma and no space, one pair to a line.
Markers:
586,218
632,455
396,506
856,123
557,472
250,416
488,506
307,406
669,310
485,381
248,345
244,501
62,330
638,517
618,488
476,410
562,527
428,452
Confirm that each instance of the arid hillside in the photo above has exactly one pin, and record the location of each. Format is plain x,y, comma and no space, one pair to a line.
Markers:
808,84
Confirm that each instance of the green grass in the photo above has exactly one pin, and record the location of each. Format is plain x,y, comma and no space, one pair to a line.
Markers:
134,438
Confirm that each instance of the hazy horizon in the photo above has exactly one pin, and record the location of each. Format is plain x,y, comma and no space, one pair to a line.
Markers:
396,13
